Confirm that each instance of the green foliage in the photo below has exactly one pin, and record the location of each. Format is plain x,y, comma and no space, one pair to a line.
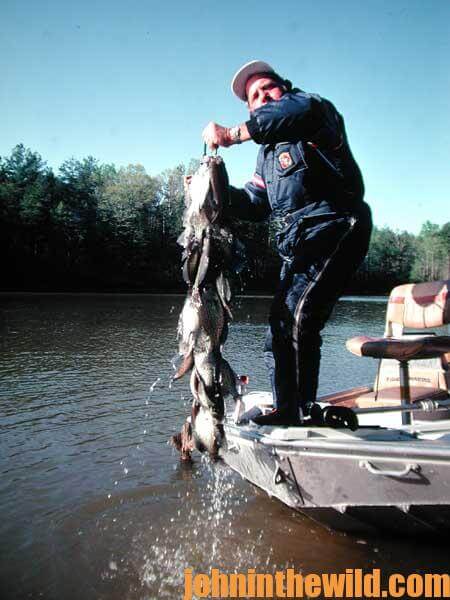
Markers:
390,257
127,197
432,259
96,227
23,167
27,203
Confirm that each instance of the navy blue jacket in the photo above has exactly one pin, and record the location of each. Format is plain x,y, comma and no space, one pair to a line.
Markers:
304,167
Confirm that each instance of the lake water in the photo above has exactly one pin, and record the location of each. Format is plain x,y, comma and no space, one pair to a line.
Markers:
95,503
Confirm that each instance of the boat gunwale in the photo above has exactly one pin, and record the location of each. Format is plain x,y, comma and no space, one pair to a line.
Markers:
408,449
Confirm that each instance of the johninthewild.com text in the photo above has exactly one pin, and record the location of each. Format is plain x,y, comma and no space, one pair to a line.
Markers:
352,583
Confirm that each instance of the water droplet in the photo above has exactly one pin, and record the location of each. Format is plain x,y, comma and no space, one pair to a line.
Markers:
152,387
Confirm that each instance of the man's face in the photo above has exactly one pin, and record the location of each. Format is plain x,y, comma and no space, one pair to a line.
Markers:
261,89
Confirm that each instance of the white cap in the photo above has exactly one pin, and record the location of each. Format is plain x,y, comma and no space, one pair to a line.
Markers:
244,73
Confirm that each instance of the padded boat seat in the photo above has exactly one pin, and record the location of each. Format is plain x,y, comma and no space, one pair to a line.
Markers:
417,306
401,349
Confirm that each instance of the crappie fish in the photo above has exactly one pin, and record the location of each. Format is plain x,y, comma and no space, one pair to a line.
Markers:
203,323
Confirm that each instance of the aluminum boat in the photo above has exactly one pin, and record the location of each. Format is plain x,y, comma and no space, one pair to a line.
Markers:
393,471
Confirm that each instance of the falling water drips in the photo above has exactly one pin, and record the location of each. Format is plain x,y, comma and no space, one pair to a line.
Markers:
198,534
152,387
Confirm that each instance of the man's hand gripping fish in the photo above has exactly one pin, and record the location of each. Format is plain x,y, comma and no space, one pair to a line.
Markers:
203,323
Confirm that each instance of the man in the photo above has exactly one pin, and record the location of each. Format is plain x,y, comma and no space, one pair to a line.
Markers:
308,179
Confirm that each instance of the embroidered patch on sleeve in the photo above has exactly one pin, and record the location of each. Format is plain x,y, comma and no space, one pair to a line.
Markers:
285,160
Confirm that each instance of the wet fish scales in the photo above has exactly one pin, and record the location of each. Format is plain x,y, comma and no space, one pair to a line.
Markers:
203,324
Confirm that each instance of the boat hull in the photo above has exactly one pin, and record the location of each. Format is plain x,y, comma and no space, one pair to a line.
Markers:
367,480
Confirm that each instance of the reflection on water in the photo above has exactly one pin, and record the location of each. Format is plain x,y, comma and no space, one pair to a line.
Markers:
95,503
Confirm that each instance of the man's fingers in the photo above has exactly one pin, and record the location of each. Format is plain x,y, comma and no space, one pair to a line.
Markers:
208,132
211,135
210,141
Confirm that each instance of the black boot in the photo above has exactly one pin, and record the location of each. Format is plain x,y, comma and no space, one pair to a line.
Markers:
314,415
277,417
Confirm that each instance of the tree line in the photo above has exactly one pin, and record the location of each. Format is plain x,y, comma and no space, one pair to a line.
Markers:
96,227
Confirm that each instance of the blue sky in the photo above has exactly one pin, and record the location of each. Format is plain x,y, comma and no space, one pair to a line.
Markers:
136,82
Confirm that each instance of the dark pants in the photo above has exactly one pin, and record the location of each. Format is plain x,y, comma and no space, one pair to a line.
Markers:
327,254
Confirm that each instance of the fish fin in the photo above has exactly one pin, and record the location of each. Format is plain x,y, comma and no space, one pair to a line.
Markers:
228,380
186,365
194,383
185,271
194,410
184,442
224,291
191,262
187,443
175,440
203,263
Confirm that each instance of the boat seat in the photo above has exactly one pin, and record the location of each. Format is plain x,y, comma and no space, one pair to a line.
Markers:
406,348
417,306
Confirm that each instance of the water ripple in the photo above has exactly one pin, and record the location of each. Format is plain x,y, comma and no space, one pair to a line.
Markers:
88,479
